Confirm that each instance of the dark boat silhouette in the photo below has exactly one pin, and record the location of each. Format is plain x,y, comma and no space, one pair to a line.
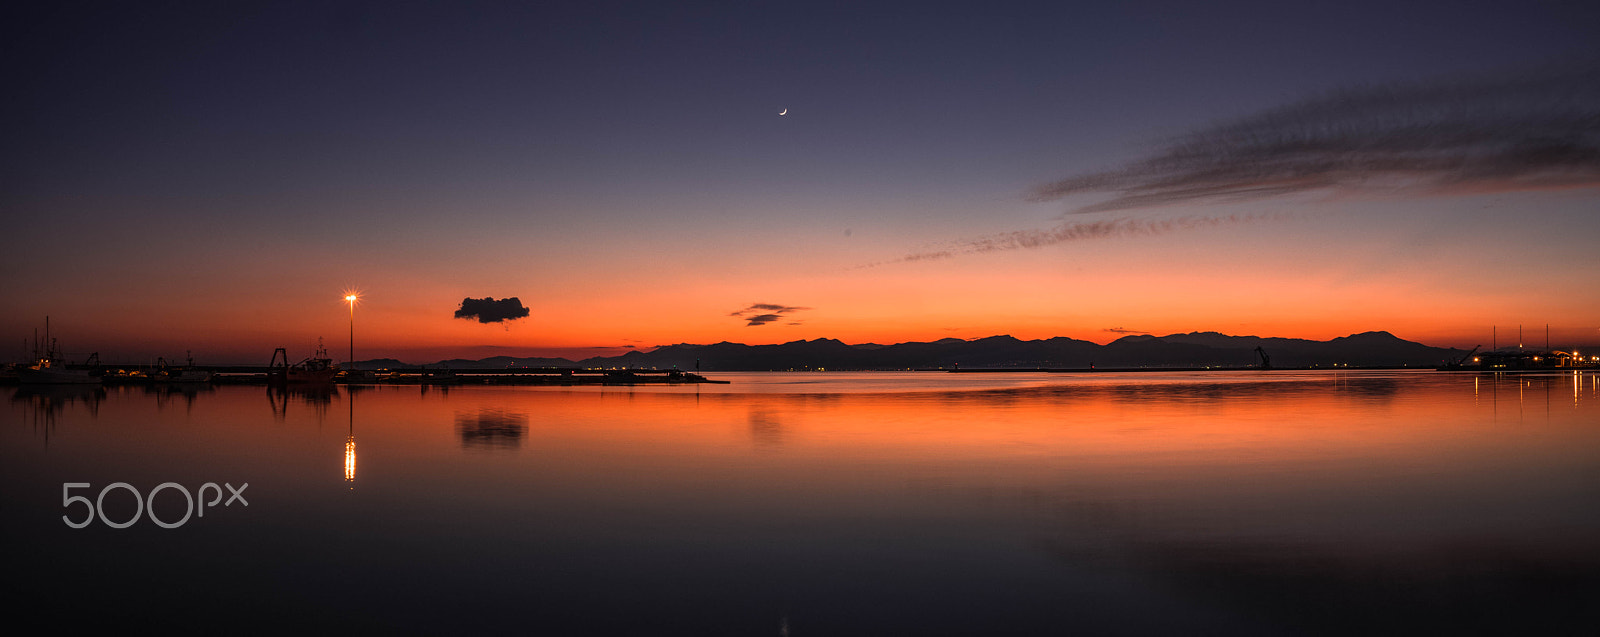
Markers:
318,368
49,368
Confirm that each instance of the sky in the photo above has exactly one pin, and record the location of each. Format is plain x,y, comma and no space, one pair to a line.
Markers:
214,178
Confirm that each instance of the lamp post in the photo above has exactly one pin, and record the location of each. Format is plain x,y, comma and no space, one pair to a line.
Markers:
350,440
352,299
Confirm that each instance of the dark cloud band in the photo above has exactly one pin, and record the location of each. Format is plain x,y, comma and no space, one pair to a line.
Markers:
1529,131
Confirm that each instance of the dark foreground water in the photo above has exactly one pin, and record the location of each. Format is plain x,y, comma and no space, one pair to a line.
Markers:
816,504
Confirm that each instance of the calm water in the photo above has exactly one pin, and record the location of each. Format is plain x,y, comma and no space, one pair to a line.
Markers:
821,504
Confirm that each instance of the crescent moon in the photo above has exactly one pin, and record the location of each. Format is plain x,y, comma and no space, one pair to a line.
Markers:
784,112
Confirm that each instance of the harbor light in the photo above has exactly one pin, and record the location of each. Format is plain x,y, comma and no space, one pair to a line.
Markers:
351,297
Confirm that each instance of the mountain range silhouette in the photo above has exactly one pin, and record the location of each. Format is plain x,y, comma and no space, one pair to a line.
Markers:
1195,349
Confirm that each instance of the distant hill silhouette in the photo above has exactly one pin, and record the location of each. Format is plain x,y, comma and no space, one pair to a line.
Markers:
493,362
377,363
1195,349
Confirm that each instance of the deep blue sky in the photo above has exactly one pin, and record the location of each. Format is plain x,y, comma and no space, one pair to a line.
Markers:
400,145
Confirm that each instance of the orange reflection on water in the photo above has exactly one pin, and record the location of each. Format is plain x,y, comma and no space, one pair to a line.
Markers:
1122,429
350,459
1350,429
1245,483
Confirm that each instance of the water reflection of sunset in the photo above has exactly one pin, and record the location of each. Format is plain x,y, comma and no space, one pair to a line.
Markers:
1161,440
1263,484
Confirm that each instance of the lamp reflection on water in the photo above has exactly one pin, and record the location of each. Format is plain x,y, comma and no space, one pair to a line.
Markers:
350,443
350,460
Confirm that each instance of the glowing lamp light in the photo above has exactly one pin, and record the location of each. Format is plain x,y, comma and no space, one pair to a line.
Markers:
352,296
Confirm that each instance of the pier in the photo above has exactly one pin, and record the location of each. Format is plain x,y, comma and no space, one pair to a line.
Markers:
259,375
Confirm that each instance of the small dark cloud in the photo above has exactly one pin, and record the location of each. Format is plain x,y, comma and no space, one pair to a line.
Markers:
488,310
1119,330
766,307
1534,130
763,313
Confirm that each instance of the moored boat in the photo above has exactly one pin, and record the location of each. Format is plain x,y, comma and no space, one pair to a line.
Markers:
318,368
49,369
51,372
184,374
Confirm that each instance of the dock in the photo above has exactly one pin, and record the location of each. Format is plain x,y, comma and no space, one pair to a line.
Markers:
258,375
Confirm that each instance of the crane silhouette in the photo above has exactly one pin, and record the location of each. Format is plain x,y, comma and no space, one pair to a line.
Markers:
1266,361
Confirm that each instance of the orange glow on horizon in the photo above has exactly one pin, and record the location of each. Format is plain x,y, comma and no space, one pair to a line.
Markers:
1087,294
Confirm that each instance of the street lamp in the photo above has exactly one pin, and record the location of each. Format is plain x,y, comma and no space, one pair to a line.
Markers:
351,297
350,441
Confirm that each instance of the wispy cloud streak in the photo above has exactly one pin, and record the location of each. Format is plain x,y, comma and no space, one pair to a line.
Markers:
1531,131
1084,231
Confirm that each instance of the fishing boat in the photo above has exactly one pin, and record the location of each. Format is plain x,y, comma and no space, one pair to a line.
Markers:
49,369
174,374
317,368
